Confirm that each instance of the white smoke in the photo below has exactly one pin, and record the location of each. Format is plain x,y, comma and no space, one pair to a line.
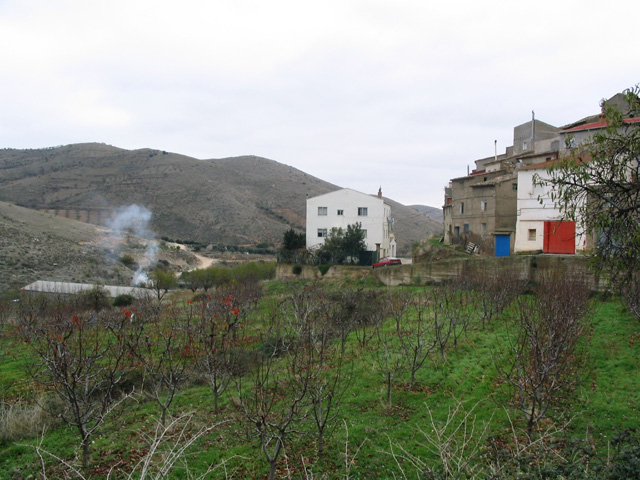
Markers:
135,220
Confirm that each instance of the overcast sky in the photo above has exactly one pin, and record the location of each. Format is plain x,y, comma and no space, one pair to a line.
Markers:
368,93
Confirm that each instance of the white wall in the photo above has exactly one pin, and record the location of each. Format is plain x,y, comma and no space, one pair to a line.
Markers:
534,208
376,222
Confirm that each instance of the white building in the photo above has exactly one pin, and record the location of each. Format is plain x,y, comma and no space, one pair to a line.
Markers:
538,225
347,207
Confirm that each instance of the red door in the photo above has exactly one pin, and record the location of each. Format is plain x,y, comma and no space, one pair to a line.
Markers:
559,237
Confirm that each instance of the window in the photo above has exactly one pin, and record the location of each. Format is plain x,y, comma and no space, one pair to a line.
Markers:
483,228
322,233
364,234
532,234
465,227
483,206
514,186
525,145
340,212
363,211
322,211
461,207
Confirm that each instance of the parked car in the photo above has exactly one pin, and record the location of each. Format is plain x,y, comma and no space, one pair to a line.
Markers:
387,262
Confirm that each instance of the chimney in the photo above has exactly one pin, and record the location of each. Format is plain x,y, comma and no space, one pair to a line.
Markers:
380,192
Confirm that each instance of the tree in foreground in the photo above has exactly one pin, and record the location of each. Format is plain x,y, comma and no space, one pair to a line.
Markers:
162,344
80,355
543,362
272,404
598,187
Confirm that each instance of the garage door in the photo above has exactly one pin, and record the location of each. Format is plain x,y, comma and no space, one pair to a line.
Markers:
559,237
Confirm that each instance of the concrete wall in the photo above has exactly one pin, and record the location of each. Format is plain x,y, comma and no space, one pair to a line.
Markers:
284,272
531,268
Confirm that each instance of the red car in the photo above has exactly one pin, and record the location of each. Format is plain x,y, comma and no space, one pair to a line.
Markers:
387,261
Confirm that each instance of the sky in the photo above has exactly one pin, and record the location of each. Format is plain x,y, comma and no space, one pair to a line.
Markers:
401,94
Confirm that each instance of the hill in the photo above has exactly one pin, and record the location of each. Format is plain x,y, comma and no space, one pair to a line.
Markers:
431,212
38,246
232,201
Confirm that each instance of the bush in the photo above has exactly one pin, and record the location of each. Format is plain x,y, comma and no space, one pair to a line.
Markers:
324,269
94,299
22,420
128,260
273,346
253,271
123,300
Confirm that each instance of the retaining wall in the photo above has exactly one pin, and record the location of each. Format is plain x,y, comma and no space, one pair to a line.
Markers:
531,268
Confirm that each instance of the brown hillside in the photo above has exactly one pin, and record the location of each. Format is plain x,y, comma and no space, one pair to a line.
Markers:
242,200
39,246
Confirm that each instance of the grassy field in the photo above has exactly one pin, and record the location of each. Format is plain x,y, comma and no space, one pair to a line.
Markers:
459,410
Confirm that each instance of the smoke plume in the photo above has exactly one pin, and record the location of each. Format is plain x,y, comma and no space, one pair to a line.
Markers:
134,220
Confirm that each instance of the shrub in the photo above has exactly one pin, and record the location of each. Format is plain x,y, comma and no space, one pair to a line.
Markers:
22,420
94,299
123,300
324,269
127,260
273,346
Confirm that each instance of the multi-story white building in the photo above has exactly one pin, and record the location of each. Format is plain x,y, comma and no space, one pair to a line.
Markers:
347,207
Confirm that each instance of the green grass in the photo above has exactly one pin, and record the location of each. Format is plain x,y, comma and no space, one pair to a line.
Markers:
606,401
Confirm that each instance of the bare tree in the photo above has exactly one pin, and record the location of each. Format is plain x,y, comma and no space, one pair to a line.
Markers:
457,442
168,446
495,289
217,345
543,356
162,343
80,356
389,359
454,308
415,331
309,314
367,310
272,404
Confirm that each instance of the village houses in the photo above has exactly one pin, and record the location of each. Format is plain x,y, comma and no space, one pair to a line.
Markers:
501,208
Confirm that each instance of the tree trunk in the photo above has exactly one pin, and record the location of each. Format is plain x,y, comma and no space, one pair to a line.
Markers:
86,442
320,442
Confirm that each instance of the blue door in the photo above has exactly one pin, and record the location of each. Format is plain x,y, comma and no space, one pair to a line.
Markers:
503,244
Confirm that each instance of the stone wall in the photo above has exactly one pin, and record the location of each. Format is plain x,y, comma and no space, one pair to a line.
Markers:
531,268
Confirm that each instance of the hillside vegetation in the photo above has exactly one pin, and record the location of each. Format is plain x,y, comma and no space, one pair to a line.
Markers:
242,200
275,380
39,246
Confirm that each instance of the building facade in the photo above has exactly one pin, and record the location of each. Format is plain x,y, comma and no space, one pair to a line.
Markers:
539,225
347,207
481,207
